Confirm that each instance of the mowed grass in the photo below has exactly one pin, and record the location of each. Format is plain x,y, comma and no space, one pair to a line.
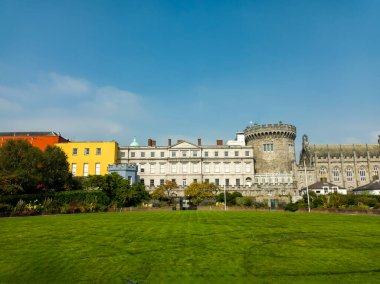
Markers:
190,247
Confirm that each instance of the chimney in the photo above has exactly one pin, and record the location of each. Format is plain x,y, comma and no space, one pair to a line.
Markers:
153,143
150,142
169,142
219,142
199,142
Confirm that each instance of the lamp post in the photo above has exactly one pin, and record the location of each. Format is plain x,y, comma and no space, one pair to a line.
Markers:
307,187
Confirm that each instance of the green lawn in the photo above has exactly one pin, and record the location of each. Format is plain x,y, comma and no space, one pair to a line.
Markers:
190,247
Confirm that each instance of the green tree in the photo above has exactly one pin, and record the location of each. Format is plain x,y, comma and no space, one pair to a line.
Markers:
21,167
137,194
56,174
230,197
166,191
197,192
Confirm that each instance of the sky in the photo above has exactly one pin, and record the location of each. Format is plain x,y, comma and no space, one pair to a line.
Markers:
111,70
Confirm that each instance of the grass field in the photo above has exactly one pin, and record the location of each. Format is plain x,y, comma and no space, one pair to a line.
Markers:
190,247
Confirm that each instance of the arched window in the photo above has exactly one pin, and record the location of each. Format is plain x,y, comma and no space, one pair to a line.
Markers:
376,172
336,174
323,171
362,174
349,174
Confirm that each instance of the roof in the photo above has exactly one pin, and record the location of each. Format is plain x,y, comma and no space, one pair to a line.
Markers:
321,184
134,143
32,133
374,185
345,150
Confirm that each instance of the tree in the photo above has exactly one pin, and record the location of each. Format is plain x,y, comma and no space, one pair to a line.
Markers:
56,174
137,194
197,192
230,197
165,192
21,167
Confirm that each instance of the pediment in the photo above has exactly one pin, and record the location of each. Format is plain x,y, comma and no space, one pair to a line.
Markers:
185,145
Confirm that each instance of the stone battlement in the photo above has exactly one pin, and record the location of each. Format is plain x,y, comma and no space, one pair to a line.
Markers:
276,130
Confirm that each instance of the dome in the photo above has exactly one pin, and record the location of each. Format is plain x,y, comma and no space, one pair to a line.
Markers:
134,143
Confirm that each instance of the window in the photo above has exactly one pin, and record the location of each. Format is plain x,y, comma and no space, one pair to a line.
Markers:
247,168
207,180
236,153
184,153
142,168
323,171
217,181
152,154
174,180
142,154
362,174
195,154
162,154
195,168
336,174
206,154
238,182
227,168
349,174
376,172
174,154
122,154
97,168
225,153
184,168
217,168
87,151
237,168
246,153
151,183
142,181
268,147
195,180
227,182
207,168
162,169
152,168
133,154
174,168
75,151
162,182
184,182
74,169
98,151
216,154
85,169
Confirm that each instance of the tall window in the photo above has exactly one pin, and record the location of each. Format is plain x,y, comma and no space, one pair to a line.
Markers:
216,181
225,153
336,174
162,182
376,171
74,169
87,151
174,168
247,168
75,151
142,181
162,169
85,169
227,168
184,182
237,168
142,168
195,168
97,168
152,154
151,183
133,154
237,182
184,168
362,174
152,168
236,153
98,151
216,154
142,154
207,168
227,182
323,171
349,174
217,168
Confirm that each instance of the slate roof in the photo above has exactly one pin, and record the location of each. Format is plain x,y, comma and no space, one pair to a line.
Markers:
375,185
345,150
321,184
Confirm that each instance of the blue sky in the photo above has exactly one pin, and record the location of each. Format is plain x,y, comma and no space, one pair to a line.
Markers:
104,70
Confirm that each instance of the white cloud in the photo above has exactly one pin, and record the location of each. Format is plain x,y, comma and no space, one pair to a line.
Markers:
75,107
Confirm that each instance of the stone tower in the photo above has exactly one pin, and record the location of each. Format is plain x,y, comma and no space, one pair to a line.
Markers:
273,147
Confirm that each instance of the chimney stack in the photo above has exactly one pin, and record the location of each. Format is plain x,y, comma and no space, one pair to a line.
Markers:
169,142
219,142
153,143
150,142
199,142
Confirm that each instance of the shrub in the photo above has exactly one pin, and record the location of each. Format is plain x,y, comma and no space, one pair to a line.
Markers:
293,207
244,201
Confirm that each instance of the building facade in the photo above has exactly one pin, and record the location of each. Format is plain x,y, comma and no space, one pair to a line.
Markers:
347,166
90,158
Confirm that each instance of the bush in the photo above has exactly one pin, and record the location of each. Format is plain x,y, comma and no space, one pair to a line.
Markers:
244,201
293,207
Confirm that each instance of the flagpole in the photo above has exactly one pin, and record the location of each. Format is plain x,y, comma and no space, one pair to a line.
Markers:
307,187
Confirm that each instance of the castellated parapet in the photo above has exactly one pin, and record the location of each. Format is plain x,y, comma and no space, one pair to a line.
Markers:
273,147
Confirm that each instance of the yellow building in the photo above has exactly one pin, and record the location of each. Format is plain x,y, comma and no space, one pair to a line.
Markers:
90,158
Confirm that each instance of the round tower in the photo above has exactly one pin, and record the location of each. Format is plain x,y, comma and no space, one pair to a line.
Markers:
273,147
